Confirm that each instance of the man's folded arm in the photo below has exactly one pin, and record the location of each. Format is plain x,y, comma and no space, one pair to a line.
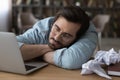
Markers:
30,41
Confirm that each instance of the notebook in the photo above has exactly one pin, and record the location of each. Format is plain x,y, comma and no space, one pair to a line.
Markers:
114,69
11,58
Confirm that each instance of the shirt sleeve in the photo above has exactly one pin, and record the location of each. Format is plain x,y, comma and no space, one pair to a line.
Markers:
78,53
35,35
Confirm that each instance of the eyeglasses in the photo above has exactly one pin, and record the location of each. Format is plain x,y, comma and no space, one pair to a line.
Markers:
64,36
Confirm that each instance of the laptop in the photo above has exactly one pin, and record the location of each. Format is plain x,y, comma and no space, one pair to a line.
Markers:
11,58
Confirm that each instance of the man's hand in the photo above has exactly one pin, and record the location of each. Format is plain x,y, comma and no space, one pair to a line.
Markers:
32,51
48,57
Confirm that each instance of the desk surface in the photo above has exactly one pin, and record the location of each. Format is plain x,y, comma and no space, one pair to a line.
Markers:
51,72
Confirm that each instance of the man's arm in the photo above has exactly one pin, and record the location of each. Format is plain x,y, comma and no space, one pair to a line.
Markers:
32,42
32,51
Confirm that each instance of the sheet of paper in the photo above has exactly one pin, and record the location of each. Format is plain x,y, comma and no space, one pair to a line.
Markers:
101,57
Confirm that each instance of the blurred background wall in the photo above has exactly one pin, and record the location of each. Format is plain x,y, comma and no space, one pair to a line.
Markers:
5,15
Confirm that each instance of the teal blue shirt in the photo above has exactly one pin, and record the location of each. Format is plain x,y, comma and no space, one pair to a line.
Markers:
69,58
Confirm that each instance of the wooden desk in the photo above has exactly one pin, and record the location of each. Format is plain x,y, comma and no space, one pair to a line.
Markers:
52,73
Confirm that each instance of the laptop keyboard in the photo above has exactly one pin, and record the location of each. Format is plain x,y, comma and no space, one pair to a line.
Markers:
28,67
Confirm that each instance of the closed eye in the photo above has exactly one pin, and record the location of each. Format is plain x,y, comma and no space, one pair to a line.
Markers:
57,28
67,35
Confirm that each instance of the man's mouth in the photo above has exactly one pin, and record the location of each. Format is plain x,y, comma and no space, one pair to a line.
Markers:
54,44
53,41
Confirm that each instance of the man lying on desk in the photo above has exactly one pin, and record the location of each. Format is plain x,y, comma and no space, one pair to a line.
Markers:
65,40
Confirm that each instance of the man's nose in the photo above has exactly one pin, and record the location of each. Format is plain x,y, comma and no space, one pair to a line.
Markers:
57,37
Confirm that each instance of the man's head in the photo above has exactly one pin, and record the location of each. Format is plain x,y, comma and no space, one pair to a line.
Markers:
69,25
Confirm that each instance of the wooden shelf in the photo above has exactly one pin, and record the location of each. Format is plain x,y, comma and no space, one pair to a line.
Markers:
42,9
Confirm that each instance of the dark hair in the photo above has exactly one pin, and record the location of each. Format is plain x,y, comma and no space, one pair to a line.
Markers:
77,15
